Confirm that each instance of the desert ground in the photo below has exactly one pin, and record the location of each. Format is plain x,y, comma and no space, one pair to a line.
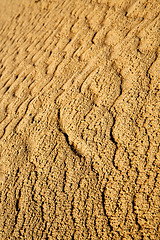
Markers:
79,119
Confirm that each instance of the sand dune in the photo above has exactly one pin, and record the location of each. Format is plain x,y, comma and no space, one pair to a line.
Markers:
79,119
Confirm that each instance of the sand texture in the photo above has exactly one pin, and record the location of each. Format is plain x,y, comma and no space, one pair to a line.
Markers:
79,119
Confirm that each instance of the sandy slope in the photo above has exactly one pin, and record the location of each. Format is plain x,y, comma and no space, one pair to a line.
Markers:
79,119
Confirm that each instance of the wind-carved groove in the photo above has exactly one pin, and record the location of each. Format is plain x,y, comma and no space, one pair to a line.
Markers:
64,180
92,40
71,146
114,66
103,202
96,231
4,130
149,145
42,212
72,216
17,211
104,209
85,80
114,141
135,214
147,72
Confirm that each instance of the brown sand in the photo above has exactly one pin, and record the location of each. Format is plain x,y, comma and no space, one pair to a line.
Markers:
79,119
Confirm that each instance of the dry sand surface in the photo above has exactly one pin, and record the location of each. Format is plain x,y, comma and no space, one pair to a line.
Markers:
79,119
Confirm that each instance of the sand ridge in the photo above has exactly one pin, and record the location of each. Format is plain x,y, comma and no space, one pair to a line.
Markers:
79,119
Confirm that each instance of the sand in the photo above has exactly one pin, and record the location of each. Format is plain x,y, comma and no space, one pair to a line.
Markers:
79,119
